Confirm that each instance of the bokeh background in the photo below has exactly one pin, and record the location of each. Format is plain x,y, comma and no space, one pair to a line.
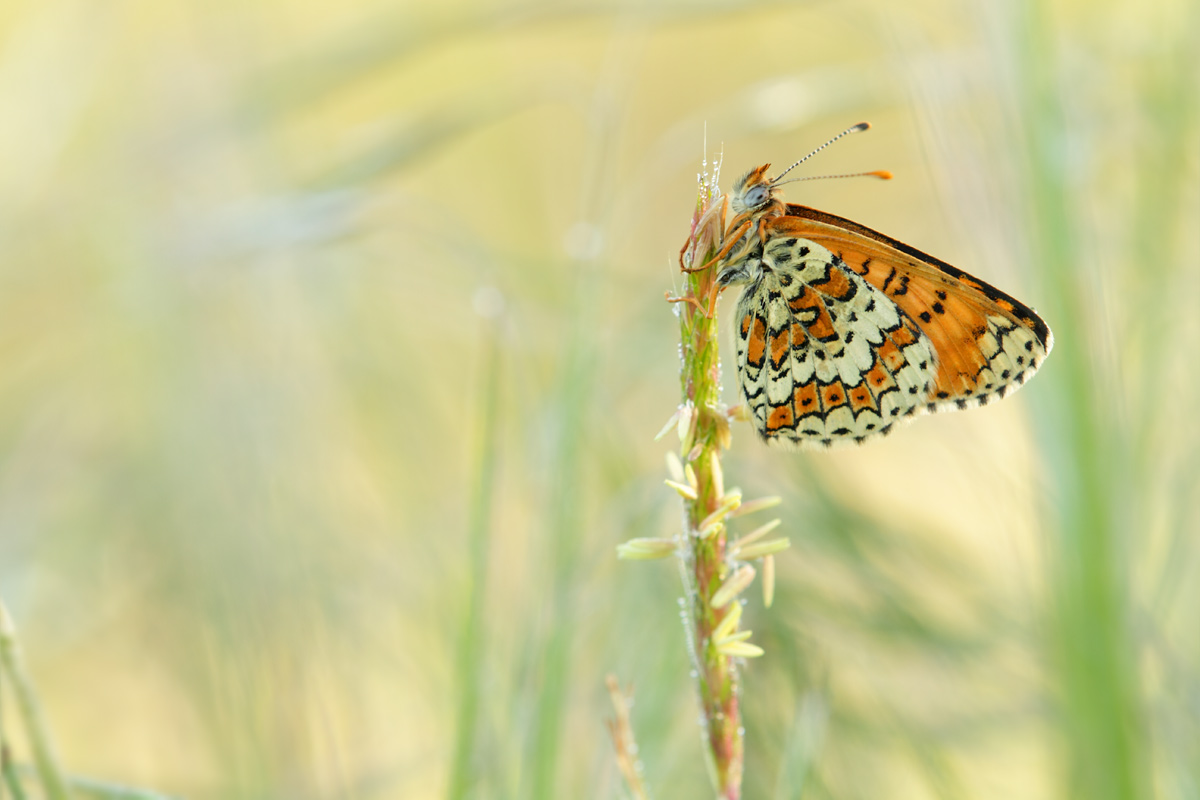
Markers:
334,345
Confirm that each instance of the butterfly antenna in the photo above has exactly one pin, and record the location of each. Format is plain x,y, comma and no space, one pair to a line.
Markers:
882,174
862,126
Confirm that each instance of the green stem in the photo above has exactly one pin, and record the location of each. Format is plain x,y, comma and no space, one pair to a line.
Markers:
9,771
702,560
470,655
36,729
1091,637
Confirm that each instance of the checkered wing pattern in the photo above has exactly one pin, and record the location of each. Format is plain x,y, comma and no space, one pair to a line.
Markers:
842,332
823,357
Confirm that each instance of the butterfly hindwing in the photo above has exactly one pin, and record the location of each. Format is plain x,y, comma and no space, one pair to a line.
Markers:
823,357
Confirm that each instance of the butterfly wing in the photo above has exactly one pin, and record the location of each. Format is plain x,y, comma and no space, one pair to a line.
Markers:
823,356
987,344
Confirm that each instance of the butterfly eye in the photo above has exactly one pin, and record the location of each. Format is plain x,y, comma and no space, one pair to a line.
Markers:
757,195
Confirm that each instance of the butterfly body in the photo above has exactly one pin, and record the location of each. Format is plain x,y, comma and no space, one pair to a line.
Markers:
842,331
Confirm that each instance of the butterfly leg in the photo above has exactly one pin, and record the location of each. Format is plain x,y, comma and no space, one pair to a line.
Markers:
687,299
703,221
708,308
733,239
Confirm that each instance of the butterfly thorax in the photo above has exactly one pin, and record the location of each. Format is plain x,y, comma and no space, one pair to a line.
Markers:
754,202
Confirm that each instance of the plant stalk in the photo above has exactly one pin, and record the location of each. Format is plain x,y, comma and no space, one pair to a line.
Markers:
702,557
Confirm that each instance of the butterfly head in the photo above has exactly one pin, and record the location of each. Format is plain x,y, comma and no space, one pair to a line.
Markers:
753,192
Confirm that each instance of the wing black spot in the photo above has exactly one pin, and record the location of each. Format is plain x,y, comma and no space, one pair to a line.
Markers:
887,281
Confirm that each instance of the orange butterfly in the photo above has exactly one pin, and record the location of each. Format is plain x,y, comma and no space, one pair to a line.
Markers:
842,332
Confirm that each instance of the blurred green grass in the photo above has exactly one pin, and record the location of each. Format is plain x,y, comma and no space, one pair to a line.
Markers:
285,514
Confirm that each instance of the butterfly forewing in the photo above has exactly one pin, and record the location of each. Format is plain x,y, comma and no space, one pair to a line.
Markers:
987,342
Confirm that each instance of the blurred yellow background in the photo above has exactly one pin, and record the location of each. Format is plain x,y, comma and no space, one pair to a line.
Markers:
324,325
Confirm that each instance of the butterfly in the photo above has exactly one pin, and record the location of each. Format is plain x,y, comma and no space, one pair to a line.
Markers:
843,332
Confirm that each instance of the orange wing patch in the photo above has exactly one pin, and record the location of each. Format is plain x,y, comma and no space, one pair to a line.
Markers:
756,343
811,312
837,285
833,395
861,398
799,337
889,354
780,417
806,399
879,377
781,344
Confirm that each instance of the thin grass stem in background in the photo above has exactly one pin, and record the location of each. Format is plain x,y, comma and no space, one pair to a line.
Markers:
624,743
90,787
8,768
575,405
1089,634
463,772
37,732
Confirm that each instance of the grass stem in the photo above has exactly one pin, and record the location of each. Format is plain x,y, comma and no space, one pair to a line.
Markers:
703,563
37,731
